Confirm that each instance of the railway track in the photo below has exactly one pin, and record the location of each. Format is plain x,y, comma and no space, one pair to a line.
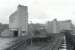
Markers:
18,43
21,44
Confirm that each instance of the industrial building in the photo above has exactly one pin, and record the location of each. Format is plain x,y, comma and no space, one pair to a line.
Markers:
18,21
58,26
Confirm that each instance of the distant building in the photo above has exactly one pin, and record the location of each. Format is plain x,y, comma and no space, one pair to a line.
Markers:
18,21
58,26
32,28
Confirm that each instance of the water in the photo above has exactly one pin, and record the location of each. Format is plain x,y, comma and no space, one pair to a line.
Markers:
63,45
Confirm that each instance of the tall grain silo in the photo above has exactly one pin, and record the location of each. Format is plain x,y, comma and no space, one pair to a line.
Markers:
18,21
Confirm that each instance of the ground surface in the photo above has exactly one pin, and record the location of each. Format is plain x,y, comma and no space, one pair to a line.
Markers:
5,43
43,45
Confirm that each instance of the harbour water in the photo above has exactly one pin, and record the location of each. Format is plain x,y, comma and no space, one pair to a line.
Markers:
63,45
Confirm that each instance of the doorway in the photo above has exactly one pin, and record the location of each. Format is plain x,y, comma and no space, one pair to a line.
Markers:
15,33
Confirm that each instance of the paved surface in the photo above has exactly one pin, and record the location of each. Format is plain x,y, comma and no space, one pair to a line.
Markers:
5,43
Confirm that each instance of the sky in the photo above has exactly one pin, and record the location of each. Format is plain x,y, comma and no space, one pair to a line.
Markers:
40,11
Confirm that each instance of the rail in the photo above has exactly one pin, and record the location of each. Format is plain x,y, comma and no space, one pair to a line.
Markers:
18,43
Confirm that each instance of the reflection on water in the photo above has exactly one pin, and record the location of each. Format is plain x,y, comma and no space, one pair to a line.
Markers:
63,46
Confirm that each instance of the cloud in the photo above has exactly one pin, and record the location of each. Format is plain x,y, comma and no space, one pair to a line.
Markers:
40,9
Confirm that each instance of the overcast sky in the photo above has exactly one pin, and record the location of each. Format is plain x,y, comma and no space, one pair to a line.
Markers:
40,11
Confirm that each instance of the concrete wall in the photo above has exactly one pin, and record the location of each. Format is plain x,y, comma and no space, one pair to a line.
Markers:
49,27
19,19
